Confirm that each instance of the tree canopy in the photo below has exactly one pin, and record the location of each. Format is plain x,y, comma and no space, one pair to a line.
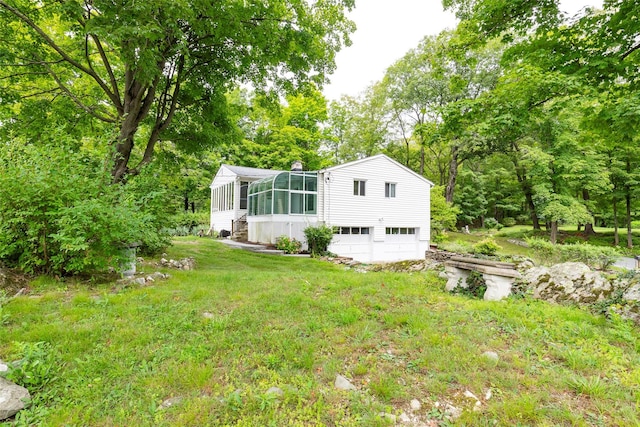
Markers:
159,69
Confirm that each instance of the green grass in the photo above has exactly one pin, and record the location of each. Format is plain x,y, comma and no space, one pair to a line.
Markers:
461,242
115,354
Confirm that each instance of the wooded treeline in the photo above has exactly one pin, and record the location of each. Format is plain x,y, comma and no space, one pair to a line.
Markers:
520,114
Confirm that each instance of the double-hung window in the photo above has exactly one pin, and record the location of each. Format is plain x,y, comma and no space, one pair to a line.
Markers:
389,190
359,187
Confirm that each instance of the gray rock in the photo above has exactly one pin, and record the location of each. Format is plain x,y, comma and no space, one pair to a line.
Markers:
404,418
342,383
208,315
172,401
3,367
452,412
275,391
632,293
568,282
415,405
12,398
140,281
491,355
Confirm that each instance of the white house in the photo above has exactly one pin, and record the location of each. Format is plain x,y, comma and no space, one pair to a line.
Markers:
378,207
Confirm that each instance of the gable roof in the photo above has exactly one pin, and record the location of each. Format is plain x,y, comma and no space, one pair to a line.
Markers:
378,156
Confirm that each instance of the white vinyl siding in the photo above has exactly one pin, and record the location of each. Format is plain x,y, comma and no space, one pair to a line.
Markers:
407,211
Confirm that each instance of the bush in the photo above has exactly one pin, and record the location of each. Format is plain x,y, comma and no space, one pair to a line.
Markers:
492,224
486,247
600,257
318,239
59,214
190,220
443,214
288,245
508,221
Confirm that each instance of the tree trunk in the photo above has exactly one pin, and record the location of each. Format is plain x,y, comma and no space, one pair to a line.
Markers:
616,235
588,228
528,194
554,231
421,159
453,175
628,219
627,197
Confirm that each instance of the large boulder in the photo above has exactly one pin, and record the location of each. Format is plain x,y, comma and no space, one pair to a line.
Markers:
12,398
568,282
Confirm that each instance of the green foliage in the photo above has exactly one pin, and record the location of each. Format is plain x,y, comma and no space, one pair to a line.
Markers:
486,246
318,239
492,224
288,245
508,221
189,224
476,286
595,256
36,367
470,197
443,213
60,215
163,67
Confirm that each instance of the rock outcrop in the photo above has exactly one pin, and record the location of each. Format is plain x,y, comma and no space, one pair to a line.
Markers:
568,282
12,398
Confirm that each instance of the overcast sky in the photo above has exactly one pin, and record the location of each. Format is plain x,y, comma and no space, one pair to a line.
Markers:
386,31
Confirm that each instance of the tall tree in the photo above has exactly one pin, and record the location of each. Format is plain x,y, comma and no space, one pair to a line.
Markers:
438,75
359,126
136,66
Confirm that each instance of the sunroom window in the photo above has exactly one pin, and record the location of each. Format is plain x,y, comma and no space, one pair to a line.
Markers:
287,193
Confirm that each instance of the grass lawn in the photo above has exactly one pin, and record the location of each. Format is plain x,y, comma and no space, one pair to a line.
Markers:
113,355
461,242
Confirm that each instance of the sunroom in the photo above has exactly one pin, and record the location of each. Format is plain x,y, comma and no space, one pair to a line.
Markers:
282,204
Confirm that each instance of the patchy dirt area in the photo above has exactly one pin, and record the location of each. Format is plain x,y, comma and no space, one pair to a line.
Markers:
11,282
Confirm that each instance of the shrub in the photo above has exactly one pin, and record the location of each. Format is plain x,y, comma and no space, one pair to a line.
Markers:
486,246
318,239
599,257
492,224
190,220
59,214
288,245
508,221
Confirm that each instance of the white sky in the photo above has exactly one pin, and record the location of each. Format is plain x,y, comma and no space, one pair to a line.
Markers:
387,29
